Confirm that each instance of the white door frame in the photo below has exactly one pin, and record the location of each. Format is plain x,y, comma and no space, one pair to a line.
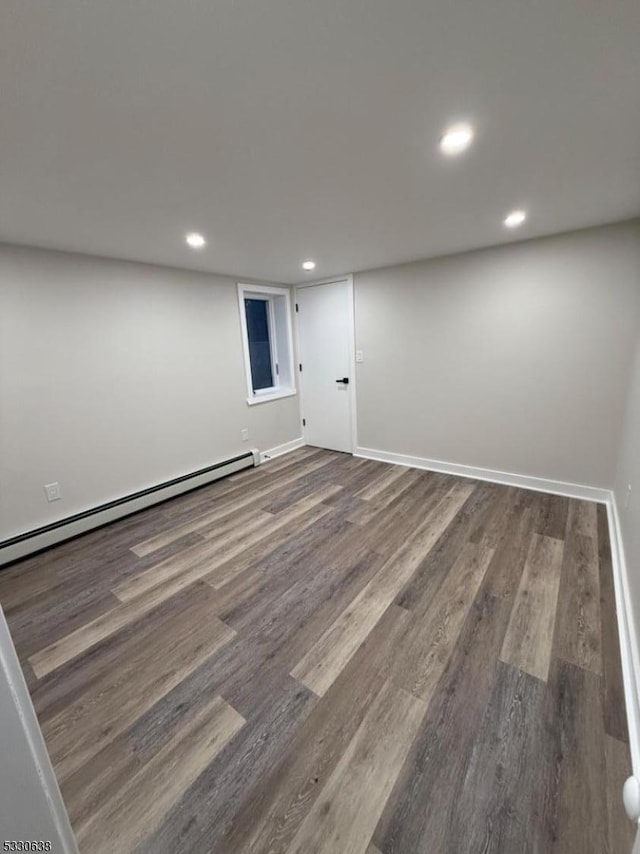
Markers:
30,758
352,351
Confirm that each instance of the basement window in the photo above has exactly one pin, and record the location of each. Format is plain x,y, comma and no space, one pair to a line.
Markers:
265,320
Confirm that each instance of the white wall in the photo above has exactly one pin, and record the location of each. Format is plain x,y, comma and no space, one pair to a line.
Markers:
116,376
31,807
628,504
515,359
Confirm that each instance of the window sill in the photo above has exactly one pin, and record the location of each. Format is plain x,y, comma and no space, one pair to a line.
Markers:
276,395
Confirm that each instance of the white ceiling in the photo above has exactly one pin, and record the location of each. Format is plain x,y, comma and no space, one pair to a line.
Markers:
287,129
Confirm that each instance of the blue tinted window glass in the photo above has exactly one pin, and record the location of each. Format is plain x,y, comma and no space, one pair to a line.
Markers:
256,311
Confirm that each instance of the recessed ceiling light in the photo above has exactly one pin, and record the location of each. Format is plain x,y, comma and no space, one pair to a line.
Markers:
456,139
515,218
308,265
195,240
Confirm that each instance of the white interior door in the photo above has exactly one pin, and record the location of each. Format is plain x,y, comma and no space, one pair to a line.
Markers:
325,340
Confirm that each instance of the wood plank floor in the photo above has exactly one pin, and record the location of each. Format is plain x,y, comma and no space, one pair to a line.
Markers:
328,654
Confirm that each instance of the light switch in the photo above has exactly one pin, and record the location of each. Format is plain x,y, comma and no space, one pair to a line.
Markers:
359,356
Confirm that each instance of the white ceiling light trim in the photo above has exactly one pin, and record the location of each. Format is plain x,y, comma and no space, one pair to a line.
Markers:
515,218
456,139
308,265
195,240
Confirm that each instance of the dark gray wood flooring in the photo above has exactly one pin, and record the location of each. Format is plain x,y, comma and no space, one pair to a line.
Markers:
328,654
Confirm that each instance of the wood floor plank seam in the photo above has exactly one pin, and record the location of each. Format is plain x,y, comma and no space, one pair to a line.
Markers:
375,507
108,707
435,632
128,818
578,629
104,626
229,506
320,666
344,815
219,555
529,638
271,817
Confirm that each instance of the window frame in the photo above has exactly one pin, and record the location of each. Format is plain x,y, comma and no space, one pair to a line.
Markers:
279,359
273,348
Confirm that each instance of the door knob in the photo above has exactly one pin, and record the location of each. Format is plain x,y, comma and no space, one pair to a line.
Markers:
344,380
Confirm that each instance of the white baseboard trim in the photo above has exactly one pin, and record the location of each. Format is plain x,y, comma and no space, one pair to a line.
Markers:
279,450
539,484
627,633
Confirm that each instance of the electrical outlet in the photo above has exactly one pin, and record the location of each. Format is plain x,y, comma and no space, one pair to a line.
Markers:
244,433
52,491
627,497
359,356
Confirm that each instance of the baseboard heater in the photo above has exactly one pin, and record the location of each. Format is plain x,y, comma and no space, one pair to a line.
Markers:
21,545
